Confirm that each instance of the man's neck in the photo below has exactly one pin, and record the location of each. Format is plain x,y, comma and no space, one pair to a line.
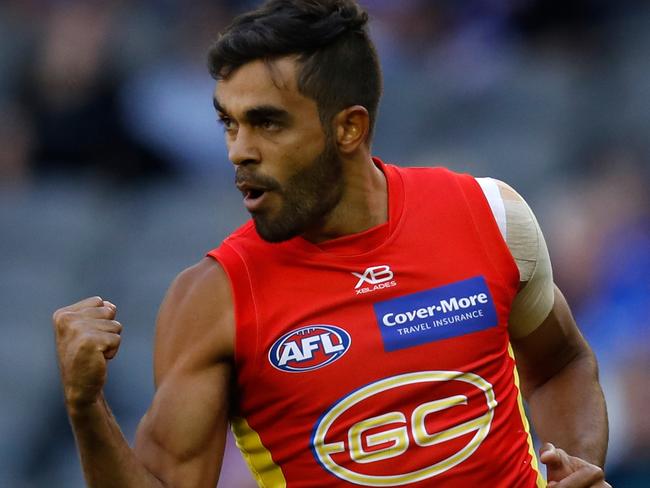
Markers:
363,205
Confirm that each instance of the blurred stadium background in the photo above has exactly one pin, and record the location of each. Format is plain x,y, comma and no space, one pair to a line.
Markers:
114,177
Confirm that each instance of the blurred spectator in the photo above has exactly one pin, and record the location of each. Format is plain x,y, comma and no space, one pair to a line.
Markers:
70,94
15,140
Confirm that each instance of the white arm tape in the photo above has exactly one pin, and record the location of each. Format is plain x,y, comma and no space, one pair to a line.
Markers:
525,240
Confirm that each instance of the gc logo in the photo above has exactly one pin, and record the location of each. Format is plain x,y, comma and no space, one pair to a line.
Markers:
357,455
374,275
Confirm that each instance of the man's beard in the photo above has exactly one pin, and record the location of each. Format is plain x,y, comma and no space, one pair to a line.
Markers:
307,198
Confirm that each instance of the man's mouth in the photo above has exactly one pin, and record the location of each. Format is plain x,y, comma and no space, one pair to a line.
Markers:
255,188
253,195
250,191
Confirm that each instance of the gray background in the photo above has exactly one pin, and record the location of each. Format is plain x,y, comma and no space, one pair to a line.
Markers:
113,178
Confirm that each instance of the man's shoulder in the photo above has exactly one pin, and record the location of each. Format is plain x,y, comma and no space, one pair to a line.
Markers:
198,304
204,274
204,286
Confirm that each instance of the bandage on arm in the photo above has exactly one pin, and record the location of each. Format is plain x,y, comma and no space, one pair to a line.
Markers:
525,240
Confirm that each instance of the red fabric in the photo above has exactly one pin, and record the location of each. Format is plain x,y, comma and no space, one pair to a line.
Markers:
440,232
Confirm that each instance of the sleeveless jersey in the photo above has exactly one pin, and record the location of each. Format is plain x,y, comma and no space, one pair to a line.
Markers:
382,358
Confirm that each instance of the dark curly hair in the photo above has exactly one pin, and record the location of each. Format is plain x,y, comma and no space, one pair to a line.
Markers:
339,66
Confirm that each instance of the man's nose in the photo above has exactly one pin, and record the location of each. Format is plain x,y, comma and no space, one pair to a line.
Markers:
242,150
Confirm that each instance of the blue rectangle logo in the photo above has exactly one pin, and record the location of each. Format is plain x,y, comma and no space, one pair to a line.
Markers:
439,313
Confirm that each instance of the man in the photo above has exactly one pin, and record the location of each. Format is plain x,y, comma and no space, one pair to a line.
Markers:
362,329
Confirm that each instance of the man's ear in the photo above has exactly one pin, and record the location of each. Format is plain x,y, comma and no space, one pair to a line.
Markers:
351,128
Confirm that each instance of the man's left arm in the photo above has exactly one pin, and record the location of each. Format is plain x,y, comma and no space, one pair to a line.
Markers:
558,370
559,380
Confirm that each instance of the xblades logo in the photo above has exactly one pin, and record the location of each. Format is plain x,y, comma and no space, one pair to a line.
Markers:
375,278
374,275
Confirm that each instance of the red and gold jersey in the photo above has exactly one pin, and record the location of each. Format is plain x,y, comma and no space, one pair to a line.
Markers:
382,358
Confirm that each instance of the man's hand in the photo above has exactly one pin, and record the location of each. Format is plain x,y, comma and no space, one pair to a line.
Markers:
87,336
564,471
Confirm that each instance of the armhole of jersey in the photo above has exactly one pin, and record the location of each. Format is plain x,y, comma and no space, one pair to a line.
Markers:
244,304
495,200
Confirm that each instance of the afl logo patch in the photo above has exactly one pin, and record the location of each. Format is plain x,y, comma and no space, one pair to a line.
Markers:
309,348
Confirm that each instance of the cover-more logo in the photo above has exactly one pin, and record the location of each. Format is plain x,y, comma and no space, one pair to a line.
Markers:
374,278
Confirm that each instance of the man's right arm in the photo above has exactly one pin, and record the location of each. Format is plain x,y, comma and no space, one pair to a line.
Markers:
180,440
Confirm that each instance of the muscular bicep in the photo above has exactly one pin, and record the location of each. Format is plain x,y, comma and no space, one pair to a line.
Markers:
181,438
556,342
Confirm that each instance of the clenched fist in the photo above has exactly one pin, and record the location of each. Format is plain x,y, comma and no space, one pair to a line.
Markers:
87,336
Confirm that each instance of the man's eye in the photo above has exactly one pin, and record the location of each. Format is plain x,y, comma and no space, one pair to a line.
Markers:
227,123
270,125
